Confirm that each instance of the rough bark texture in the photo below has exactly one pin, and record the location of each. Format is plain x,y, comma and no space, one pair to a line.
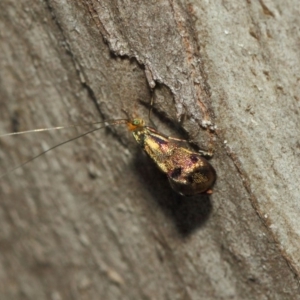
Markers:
94,219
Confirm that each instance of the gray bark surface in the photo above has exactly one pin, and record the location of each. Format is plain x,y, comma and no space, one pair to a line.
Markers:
94,218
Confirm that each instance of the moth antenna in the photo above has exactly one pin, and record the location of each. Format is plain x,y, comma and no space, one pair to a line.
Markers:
109,123
150,109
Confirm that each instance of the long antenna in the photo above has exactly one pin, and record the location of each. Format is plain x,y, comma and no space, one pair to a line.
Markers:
115,122
109,122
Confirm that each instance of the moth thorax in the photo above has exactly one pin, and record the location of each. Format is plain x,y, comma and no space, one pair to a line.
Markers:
139,135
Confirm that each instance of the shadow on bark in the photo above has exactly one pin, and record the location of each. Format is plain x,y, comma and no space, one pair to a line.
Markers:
187,213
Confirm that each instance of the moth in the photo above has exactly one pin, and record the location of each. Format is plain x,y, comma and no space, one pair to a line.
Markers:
188,172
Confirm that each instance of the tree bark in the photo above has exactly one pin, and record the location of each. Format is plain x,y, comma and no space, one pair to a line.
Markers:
94,218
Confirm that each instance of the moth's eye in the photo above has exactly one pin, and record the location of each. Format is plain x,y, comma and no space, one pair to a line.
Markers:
136,122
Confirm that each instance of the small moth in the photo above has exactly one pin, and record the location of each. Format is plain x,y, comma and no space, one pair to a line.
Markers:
188,172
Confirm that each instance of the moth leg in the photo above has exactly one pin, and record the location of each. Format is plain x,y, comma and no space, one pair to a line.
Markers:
206,153
202,152
151,108
177,139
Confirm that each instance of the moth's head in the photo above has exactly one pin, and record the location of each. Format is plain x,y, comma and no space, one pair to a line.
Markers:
135,124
